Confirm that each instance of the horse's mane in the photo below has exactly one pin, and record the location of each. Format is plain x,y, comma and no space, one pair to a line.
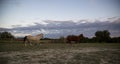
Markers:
39,34
35,35
29,35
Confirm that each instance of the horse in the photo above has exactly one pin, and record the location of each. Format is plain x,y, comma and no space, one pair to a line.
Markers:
29,38
72,38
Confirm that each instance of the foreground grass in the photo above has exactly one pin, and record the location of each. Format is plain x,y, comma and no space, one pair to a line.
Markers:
14,52
62,56
19,46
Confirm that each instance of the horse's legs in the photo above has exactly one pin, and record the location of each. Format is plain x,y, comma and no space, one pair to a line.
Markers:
25,42
37,42
30,43
76,41
69,42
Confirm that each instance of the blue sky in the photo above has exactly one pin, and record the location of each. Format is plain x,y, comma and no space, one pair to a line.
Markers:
24,13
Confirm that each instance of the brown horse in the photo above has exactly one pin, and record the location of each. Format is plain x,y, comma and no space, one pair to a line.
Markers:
72,38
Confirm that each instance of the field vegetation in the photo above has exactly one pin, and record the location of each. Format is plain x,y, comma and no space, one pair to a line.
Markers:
14,52
101,49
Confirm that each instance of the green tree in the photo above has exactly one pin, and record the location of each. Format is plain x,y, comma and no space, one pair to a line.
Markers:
83,39
6,35
0,35
103,36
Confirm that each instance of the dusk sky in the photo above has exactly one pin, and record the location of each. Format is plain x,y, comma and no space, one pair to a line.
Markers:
56,18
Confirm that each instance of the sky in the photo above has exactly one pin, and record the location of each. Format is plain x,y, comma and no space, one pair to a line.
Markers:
56,18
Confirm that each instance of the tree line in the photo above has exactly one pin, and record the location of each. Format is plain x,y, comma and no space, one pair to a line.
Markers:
6,36
100,36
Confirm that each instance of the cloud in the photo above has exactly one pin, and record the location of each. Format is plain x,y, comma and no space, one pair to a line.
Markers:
4,29
63,28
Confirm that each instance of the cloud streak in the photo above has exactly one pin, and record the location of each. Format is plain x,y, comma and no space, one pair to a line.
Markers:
63,28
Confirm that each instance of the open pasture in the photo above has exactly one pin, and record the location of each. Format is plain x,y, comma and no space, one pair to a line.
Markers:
14,52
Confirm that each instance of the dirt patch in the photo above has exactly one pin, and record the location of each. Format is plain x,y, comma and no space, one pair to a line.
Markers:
90,55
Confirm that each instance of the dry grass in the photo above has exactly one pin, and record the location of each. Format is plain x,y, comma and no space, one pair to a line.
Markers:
84,53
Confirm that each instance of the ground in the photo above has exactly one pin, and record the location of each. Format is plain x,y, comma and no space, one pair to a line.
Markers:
84,53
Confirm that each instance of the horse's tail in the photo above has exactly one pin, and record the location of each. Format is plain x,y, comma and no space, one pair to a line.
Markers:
25,38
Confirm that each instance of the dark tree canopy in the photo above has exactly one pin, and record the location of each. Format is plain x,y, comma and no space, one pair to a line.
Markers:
6,35
102,36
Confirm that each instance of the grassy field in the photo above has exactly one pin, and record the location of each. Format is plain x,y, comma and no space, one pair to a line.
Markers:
6,46
14,52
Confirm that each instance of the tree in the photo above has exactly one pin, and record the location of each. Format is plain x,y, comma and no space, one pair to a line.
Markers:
6,35
82,38
103,36
0,35
115,40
